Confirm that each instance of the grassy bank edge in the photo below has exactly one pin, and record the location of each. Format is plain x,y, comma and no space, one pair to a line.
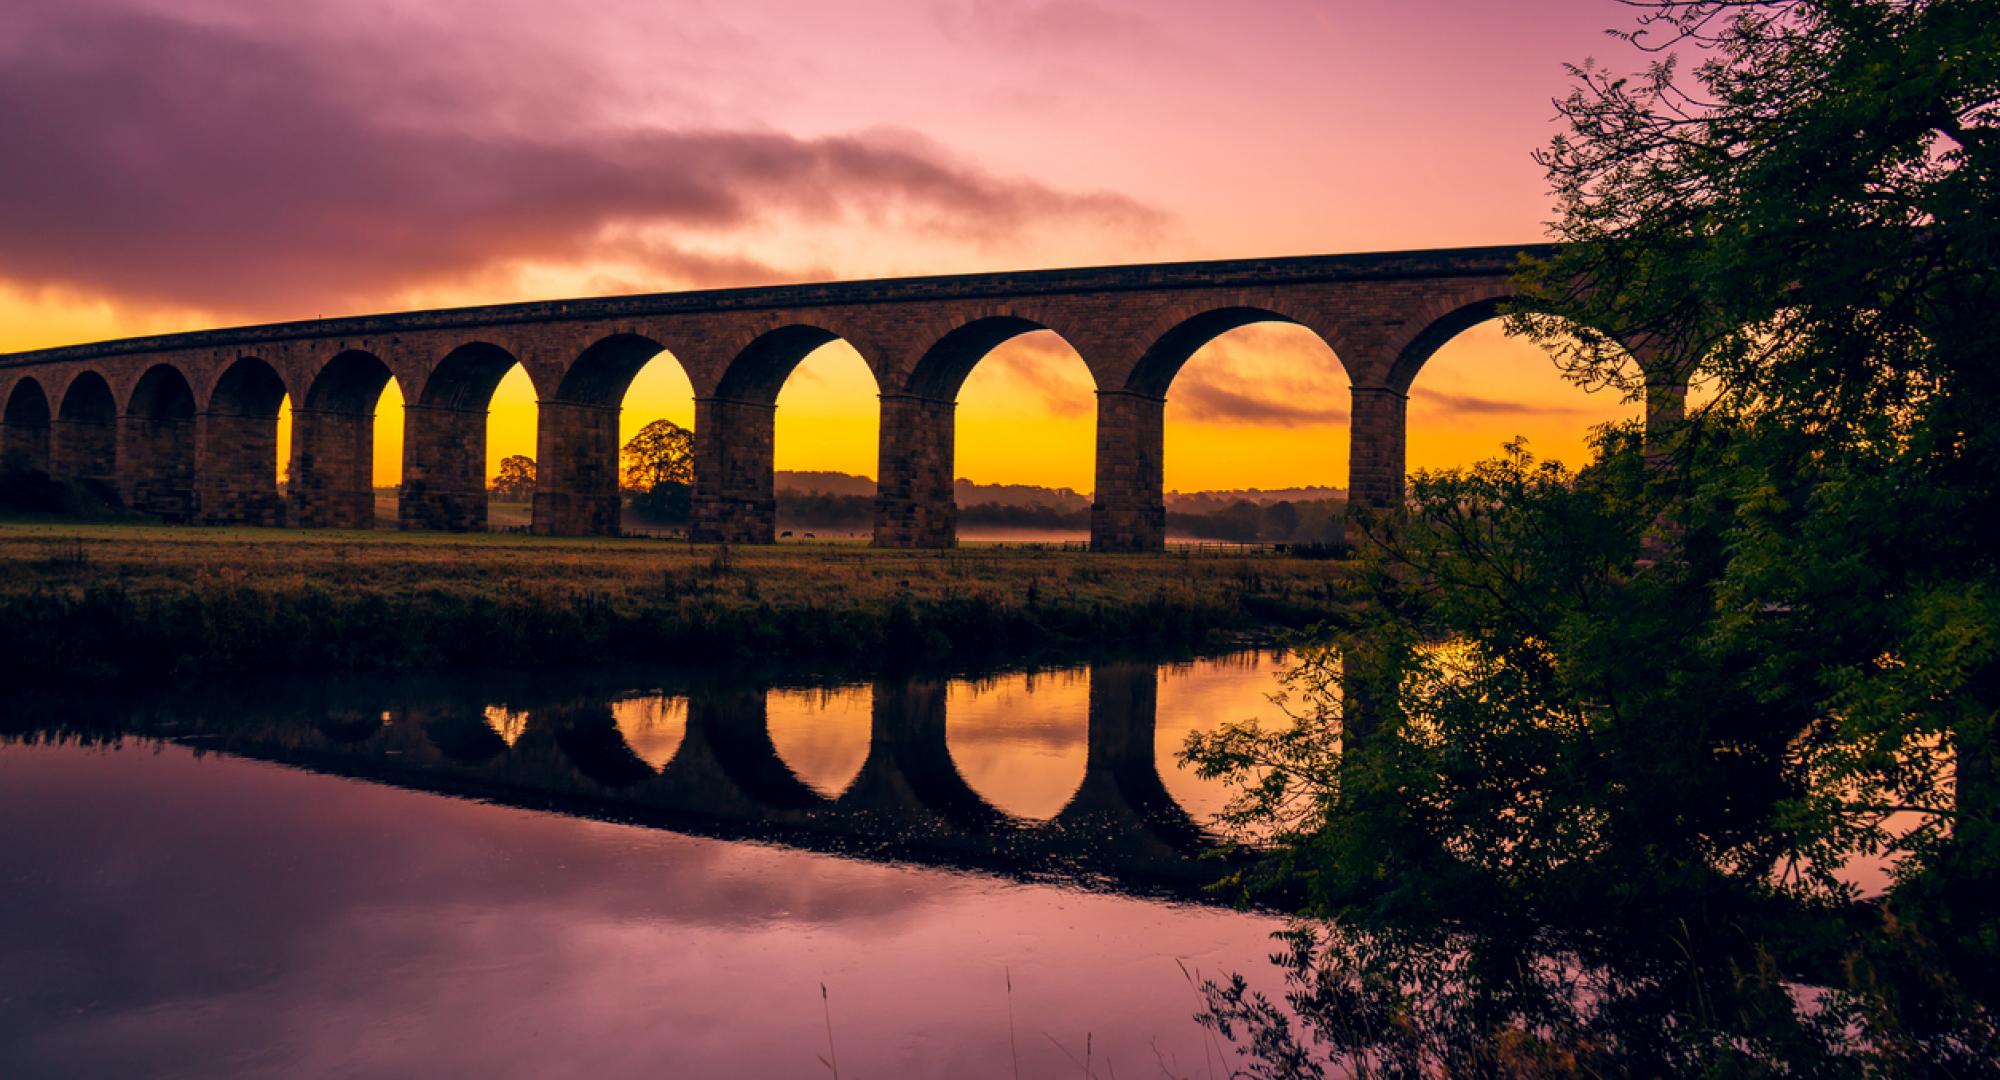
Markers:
122,604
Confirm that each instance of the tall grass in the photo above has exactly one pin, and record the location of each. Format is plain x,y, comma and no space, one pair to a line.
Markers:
119,602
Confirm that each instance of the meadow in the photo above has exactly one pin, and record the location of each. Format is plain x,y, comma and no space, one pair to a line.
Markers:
124,602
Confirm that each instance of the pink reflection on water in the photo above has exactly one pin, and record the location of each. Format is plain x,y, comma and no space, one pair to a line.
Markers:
165,911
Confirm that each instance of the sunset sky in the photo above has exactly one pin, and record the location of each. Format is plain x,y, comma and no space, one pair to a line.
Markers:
177,164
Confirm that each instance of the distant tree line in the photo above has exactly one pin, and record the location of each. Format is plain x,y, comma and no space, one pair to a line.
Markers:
657,474
1305,521
1312,521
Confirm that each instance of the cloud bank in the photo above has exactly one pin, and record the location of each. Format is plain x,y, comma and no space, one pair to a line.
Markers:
164,158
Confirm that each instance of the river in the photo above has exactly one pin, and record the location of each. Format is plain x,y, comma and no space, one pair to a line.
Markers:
535,875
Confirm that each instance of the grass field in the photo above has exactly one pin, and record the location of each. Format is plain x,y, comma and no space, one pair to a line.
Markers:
119,601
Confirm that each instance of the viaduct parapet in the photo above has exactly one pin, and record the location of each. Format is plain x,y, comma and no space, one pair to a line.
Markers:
185,425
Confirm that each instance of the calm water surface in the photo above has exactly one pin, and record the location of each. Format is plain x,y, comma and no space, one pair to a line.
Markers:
530,878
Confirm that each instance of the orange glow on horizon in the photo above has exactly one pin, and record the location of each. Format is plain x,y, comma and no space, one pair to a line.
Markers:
761,143
1264,406
1026,414
1484,388
1261,406
829,414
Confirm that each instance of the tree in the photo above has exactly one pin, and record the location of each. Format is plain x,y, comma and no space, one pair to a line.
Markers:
1576,769
515,482
1808,223
658,473
668,503
1281,520
662,452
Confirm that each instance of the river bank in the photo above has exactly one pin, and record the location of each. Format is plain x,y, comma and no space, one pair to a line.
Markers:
115,602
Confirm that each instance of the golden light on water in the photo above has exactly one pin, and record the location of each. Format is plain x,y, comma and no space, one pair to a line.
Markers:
653,726
1021,741
822,735
507,723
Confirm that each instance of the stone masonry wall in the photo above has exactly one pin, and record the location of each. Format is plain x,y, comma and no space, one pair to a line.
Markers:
576,470
734,497
444,469
915,505
235,470
25,446
1134,326
332,483
24,425
1375,467
84,450
156,465
1129,509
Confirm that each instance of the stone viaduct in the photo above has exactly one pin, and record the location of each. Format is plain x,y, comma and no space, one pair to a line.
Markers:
185,425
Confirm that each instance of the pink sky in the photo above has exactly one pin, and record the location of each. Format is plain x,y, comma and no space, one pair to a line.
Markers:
199,162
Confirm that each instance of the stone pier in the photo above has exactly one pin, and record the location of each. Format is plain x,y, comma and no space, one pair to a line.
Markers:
180,425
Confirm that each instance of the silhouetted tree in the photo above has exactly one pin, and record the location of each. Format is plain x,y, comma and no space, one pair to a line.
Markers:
1571,788
666,503
1280,520
516,479
662,452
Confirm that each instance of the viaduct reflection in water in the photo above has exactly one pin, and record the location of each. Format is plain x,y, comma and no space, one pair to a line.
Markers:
706,757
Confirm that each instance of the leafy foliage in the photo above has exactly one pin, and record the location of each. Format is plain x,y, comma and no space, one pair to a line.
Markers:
516,479
667,503
661,453
1616,747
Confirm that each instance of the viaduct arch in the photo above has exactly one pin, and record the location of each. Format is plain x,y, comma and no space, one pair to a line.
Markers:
183,425
24,440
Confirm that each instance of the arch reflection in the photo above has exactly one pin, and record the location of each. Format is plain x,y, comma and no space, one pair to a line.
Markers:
652,725
727,765
507,723
468,737
888,778
822,735
589,736
910,779
1202,697
1022,740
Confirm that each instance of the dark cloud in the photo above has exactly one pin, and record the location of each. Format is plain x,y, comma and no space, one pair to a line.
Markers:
1467,404
655,262
1272,374
154,157
1045,365
1202,394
